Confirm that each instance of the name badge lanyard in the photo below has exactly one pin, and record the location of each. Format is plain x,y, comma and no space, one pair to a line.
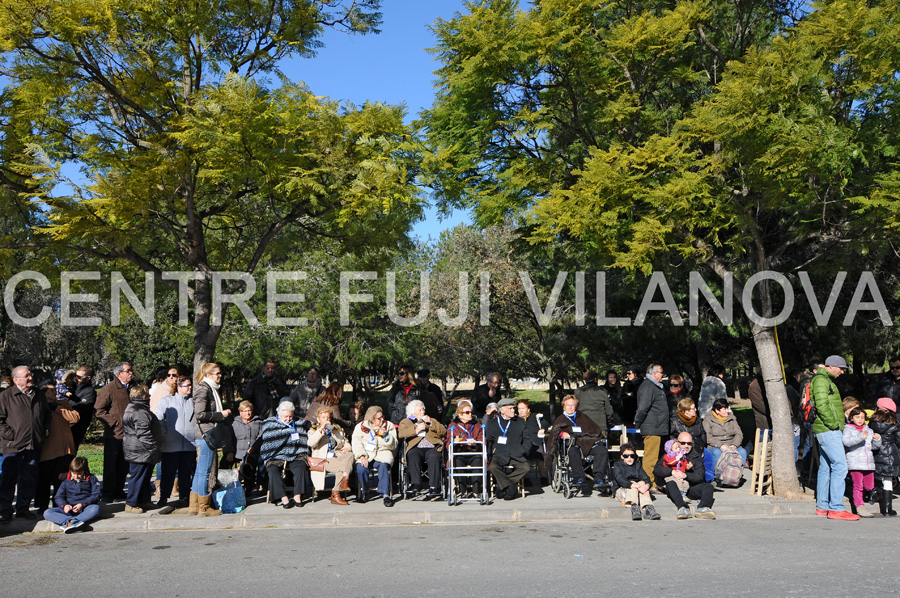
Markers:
502,429
575,428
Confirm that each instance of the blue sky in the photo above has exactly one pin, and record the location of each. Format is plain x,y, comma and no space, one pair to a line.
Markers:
391,67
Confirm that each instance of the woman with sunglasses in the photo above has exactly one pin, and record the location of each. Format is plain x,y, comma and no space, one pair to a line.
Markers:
464,432
634,485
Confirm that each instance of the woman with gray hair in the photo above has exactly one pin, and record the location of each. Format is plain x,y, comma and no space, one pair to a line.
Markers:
143,436
424,442
283,445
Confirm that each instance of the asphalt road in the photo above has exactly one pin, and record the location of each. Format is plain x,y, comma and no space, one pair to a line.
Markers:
759,557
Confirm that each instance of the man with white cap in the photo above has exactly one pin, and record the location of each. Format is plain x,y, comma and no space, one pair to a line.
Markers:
828,428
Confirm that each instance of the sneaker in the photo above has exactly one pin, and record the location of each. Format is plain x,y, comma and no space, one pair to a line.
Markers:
130,509
67,527
635,513
821,513
73,525
651,514
684,513
842,515
704,513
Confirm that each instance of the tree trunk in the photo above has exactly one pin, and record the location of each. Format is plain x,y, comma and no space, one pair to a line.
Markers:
784,469
206,336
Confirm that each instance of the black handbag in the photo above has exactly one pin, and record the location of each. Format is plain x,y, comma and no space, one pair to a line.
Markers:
218,436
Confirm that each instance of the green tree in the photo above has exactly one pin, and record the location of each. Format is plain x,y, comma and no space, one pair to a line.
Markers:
783,157
188,162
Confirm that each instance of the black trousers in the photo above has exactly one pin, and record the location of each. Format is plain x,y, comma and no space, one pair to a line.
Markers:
414,458
48,480
601,461
703,491
114,469
298,469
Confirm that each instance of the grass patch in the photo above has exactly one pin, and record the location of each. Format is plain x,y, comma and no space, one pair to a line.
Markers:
94,454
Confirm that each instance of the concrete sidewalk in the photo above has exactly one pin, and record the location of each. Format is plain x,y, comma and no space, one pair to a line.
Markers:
542,505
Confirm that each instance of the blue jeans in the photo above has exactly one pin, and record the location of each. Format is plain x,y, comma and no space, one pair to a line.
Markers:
205,458
384,477
709,464
832,471
18,469
60,518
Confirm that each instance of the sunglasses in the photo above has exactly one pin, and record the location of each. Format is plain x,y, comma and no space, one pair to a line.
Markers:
465,412
687,444
674,385
895,367
403,374
171,375
629,456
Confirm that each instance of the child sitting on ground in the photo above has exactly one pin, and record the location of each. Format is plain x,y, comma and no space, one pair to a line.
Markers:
676,458
77,498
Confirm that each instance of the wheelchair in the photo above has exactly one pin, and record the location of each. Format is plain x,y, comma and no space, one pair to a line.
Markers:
406,490
561,477
458,472
562,480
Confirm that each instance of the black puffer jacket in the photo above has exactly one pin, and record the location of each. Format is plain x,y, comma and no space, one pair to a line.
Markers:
624,474
887,458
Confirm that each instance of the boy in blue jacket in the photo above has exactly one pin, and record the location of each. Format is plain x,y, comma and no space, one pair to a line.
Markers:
77,498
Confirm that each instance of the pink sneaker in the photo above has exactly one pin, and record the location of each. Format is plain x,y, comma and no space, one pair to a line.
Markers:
845,515
821,513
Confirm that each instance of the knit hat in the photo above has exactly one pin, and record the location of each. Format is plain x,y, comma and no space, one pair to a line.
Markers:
887,404
669,444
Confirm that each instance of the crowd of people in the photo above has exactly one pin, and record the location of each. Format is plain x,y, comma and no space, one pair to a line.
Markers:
297,438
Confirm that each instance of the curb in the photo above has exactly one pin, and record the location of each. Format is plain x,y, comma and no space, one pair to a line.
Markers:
260,517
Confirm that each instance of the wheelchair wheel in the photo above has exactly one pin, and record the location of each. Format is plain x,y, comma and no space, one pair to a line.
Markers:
556,479
568,491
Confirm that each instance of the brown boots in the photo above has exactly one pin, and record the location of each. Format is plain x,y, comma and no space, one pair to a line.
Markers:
344,486
337,499
204,510
193,507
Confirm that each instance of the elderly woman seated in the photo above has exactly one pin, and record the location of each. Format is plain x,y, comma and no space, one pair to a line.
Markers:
573,424
722,431
283,444
463,432
330,451
425,439
374,441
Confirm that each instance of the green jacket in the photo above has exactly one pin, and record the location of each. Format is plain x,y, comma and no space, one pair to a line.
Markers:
825,396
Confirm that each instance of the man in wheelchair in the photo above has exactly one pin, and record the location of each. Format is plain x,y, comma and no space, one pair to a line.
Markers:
589,446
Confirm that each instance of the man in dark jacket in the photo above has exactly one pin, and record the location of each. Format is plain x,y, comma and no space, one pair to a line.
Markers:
401,393
594,401
487,393
265,391
24,420
424,376
507,445
110,408
695,475
889,384
306,392
760,403
652,415
84,400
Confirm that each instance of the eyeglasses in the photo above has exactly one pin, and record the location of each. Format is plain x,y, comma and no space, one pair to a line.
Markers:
629,456
185,385
674,385
465,413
